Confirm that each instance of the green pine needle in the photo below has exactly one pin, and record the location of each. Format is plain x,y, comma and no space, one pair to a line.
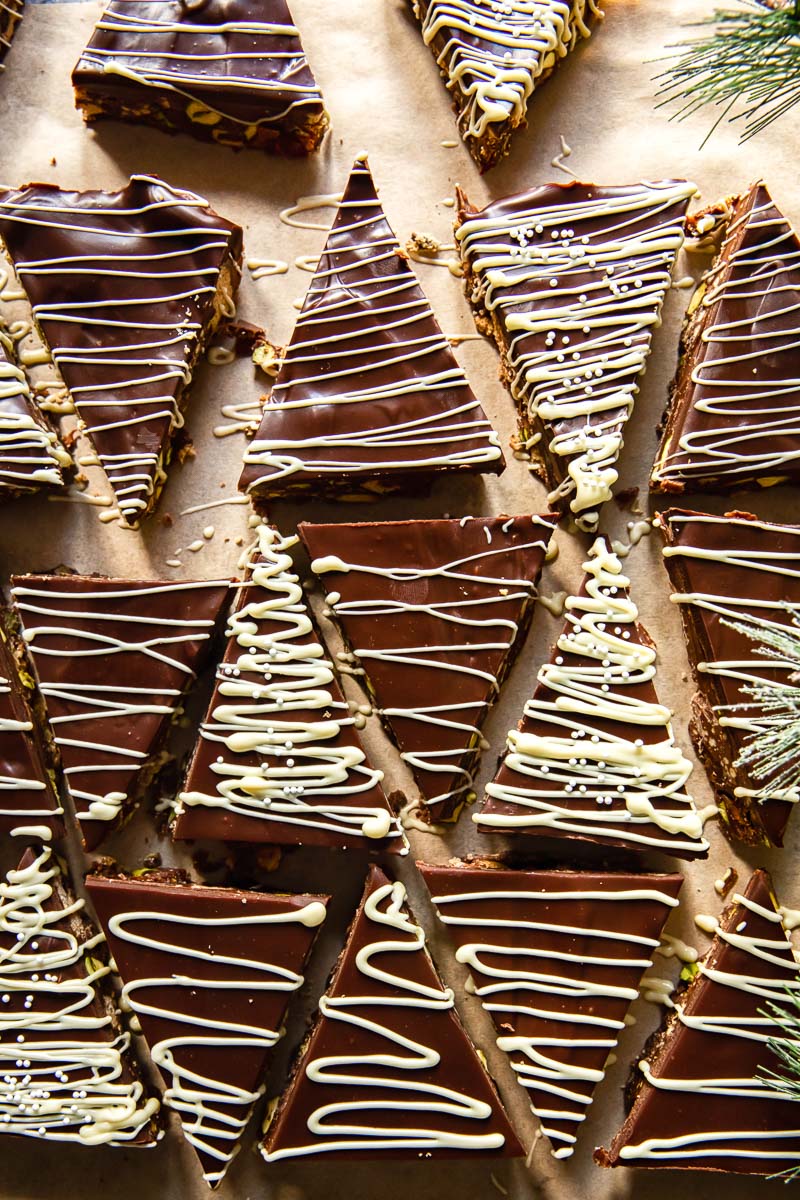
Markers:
786,1048
748,67
771,753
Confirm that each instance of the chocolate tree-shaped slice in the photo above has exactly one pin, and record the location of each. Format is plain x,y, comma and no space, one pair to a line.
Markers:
594,757
27,790
31,456
65,1063
231,74
732,418
494,56
112,659
126,288
569,279
434,613
737,583
388,1070
369,395
556,958
701,1101
10,17
279,759
209,972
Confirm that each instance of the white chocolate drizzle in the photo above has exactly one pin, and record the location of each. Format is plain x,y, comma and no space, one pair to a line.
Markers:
19,793
276,697
518,989
584,772
63,1071
575,290
30,453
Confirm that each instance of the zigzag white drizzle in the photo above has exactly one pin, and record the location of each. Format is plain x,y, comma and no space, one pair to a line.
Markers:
498,50
162,353
594,297
258,68
90,637
29,453
277,674
627,779
336,1123
56,1083
758,431
496,634
357,296
16,786
507,981
710,1145
204,1104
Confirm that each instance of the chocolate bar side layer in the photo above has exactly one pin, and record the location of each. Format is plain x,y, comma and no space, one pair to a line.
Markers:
209,972
10,17
433,613
125,288
594,758
569,279
701,1102
732,416
28,792
112,659
737,584
231,73
493,56
31,456
279,759
388,1071
369,396
556,958
65,1060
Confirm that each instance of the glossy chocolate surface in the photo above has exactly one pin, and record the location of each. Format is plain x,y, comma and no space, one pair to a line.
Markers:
30,457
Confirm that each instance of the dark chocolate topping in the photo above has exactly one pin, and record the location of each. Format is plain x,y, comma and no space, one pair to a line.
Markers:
30,455
702,1102
10,17
279,759
556,958
65,1060
741,571
112,659
386,1002
733,409
123,286
369,388
209,972
434,612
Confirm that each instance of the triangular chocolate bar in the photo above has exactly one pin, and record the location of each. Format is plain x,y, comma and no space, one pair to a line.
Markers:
369,396
388,1071
701,1100
279,759
434,613
10,17
732,417
27,790
569,280
494,56
65,1063
125,289
112,659
31,456
209,973
737,584
556,958
594,757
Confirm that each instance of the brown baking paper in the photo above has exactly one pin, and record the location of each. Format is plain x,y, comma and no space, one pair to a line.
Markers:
384,96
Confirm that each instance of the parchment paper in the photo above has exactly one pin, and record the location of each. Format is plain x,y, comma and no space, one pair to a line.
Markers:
384,95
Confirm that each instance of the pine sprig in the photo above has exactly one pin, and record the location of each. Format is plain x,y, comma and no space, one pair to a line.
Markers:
747,66
772,752
786,1048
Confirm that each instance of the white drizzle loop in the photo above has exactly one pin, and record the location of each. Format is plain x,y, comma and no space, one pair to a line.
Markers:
588,774
62,1065
30,454
575,289
385,1078
366,336
512,986
210,1109
309,777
